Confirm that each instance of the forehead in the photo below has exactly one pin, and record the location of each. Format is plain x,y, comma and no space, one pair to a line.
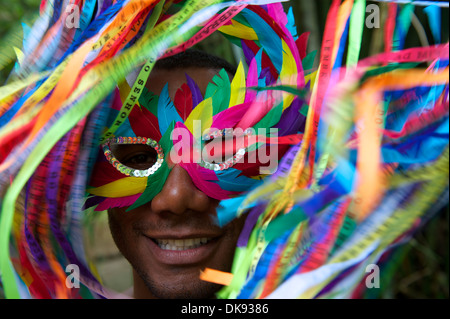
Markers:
159,78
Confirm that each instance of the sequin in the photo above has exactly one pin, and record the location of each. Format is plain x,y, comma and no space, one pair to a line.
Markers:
128,171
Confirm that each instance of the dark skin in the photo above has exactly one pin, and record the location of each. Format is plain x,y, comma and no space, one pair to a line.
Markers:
179,213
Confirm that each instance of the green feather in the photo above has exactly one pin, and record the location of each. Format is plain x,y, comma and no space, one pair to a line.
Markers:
285,88
271,118
155,183
308,61
220,92
149,101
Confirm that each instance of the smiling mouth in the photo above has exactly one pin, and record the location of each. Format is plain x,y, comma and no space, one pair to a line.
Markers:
181,244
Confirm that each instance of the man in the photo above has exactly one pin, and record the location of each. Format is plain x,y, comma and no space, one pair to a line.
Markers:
169,240
163,217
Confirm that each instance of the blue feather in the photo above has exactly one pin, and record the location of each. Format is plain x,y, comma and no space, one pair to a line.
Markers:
291,24
167,113
228,209
261,79
268,38
230,180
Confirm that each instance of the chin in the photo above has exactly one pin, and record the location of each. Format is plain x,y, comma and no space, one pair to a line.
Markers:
184,284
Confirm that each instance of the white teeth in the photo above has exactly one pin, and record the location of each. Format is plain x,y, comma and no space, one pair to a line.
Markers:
181,244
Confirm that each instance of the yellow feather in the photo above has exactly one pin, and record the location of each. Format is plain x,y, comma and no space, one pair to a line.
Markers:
124,90
202,112
240,31
19,54
121,188
311,77
288,74
238,87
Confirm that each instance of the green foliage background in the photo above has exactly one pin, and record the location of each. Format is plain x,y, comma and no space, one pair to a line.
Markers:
421,268
12,12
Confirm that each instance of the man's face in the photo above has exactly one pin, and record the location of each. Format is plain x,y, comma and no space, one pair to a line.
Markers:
172,238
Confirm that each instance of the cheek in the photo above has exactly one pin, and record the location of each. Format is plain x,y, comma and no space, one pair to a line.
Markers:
224,259
121,230
235,229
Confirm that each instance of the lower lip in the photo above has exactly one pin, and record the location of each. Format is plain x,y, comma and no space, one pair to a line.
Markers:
182,257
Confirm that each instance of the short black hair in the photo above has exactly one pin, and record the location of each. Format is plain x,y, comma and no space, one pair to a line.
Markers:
195,58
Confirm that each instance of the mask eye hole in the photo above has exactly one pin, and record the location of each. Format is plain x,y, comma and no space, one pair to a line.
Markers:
223,149
219,149
135,157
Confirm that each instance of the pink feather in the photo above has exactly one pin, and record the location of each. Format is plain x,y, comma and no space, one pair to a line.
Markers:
252,81
258,109
230,117
202,177
276,11
117,202
117,102
283,32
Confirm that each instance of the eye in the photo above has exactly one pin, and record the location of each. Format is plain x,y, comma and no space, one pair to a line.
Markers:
218,150
140,160
136,156
223,149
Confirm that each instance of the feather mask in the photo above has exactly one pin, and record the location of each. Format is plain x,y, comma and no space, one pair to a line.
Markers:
358,151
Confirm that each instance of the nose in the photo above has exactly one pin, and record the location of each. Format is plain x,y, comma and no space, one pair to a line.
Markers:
179,195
